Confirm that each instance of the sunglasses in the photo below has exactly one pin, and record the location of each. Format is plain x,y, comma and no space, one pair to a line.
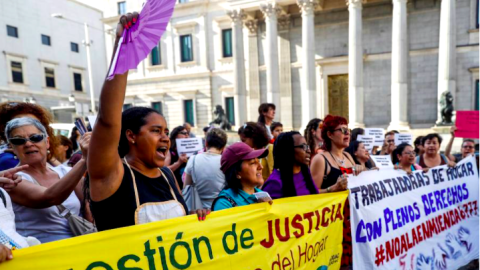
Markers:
304,146
183,133
468,147
36,138
344,130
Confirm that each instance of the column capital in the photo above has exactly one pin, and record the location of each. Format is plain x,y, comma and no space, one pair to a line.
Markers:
252,26
237,15
355,3
284,22
399,2
270,9
307,6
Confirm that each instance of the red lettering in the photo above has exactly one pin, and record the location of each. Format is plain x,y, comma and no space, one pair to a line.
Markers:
324,211
286,236
297,224
309,216
264,242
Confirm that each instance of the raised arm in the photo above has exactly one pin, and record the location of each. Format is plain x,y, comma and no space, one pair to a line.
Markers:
104,164
448,149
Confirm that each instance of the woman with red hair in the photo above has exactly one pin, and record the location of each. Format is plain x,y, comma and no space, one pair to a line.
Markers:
330,168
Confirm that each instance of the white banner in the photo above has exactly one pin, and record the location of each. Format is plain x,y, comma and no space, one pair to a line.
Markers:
403,138
383,162
418,221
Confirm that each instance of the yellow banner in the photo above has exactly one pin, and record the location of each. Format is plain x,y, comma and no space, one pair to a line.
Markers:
294,233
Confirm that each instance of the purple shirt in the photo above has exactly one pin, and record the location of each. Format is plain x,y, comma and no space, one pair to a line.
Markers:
273,185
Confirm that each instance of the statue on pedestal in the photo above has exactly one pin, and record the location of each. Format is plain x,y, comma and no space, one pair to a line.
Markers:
221,119
446,108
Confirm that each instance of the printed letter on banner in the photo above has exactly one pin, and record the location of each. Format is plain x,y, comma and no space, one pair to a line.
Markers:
299,233
425,220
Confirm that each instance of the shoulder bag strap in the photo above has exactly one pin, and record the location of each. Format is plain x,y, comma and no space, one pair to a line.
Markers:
230,200
137,200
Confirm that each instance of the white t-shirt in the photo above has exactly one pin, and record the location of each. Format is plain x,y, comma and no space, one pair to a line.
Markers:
8,232
46,224
208,177
269,132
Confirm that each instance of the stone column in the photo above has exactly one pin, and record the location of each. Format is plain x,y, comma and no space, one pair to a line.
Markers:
309,111
271,11
399,98
253,72
240,92
355,64
286,114
447,56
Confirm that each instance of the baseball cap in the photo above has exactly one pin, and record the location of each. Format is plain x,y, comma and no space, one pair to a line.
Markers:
237,152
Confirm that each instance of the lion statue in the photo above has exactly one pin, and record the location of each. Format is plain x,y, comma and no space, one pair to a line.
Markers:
221,119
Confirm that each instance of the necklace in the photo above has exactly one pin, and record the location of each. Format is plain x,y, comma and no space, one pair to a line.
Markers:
340,162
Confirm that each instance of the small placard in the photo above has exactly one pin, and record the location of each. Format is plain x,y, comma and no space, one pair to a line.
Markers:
368,141
403,138
189,146
379,134
383,162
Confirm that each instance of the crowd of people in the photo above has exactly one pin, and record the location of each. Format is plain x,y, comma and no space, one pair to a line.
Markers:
128,170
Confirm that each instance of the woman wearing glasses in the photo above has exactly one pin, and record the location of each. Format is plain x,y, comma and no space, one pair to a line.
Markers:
403,158
468,147
330,168
178,161
291,175
44,187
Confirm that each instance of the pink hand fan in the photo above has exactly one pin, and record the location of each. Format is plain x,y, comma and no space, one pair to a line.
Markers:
138,41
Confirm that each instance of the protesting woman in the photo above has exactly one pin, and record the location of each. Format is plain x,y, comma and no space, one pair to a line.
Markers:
178,161
11,110
126,183
431,157
44,187
359,154
313,136
266,114
329,170
204,169
243,174
468,147
403,158
291,176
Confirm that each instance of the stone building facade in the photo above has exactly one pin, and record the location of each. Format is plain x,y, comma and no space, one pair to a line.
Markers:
43,59
379,63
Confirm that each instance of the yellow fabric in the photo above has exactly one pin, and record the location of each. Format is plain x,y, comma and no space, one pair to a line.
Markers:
267,163
236,238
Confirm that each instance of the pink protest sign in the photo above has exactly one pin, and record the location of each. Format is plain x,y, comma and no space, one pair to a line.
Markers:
467,124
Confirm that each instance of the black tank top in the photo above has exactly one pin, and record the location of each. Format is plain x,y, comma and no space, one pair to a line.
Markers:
118,210
331,178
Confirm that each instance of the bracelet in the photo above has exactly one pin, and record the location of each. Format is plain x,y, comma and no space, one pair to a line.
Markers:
328,189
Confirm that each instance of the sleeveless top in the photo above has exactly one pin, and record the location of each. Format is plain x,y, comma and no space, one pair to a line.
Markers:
331,178
46,224
118,210
420,161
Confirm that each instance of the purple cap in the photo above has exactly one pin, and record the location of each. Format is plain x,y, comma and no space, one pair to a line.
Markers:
237,152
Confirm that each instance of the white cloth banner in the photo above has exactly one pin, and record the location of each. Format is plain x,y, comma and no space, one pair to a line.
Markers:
419,221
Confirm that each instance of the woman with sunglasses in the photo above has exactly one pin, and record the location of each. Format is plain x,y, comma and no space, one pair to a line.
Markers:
128,182
313,136
11,110
403,158
330,170
43,187
291,176
178,161
468,147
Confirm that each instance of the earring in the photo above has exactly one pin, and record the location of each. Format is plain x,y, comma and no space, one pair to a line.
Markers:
133,142
48,151
15,157
239,177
